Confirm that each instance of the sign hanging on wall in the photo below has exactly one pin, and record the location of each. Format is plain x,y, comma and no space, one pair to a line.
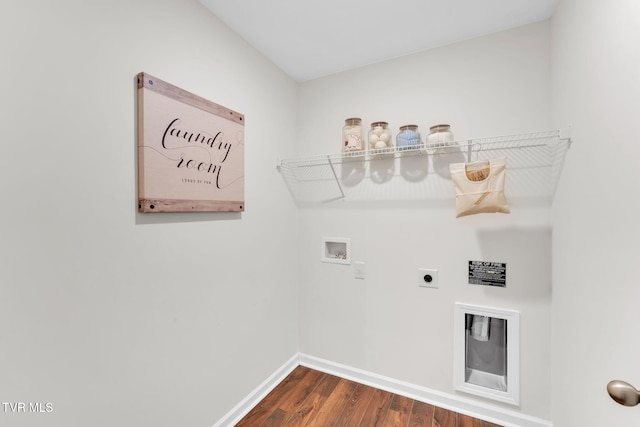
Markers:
190,151
488,273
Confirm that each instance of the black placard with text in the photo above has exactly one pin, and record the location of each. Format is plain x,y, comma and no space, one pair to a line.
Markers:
488,273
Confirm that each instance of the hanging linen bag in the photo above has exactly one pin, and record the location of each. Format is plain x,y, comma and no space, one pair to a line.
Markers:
479,187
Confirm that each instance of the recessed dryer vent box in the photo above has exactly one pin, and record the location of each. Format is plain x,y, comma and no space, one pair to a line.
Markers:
336,250
487,352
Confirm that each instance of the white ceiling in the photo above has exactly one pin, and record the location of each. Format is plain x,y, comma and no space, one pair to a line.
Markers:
314,38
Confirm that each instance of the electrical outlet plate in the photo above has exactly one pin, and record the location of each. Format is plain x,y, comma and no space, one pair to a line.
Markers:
359,270
427,278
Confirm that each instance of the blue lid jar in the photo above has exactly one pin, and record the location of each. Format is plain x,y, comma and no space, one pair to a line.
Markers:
408,136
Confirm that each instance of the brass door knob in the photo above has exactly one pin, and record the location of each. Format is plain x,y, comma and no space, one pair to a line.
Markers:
623,393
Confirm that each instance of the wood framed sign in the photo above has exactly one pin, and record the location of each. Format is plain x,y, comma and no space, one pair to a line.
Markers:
190,151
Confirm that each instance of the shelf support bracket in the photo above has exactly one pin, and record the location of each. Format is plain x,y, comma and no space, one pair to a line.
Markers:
335,176
469,150
564,134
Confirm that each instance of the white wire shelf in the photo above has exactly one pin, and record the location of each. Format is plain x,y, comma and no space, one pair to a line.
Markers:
534,163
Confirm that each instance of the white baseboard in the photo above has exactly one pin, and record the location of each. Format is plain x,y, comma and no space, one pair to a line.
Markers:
452,402
473,408
249,402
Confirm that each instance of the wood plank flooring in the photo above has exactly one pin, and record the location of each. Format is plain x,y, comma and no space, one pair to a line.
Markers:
311,398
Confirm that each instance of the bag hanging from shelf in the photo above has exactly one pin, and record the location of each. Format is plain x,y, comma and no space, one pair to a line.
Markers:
479,187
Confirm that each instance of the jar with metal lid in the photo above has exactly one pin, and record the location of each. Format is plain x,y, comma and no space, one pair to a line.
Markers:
380,136
352,136
408,136
440,136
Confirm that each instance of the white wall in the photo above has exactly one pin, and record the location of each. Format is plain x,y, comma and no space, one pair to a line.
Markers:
494,85
121,318
596,233
114,317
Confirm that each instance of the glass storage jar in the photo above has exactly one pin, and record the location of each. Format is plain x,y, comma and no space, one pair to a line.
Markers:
440,136
352,132
380,136
408,136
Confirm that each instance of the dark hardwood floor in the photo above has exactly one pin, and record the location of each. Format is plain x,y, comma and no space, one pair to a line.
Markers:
311,398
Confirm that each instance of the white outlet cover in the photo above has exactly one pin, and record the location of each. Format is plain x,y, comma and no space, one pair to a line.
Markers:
359,270
423,278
